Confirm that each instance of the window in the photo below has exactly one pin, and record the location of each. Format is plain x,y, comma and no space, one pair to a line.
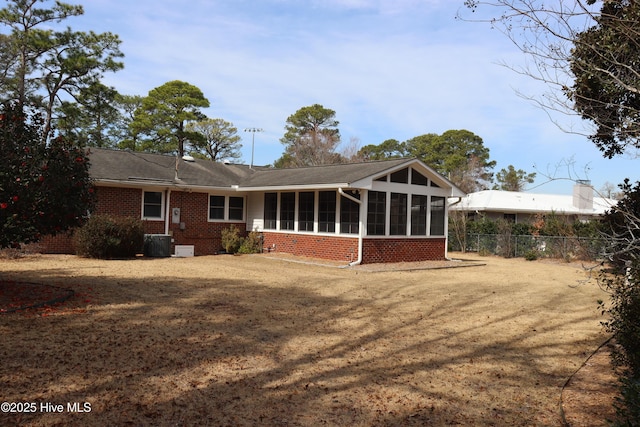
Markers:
287,211
327,211
510,218
417,178
152,204
306,209
270,210
419,215
383,178
236,208
437,216
401,176
216,207
349,215
398,217
376,209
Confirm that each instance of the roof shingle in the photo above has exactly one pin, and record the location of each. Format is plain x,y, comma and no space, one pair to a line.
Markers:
127,166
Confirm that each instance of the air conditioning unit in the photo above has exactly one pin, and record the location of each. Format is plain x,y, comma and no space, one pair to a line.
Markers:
157,245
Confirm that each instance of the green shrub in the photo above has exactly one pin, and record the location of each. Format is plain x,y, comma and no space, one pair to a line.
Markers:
531,255
252,244
105,236
620,225
231,239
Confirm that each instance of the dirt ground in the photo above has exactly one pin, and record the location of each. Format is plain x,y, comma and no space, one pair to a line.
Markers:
257,340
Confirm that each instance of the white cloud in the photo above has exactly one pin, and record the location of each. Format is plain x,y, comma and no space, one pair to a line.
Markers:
390,69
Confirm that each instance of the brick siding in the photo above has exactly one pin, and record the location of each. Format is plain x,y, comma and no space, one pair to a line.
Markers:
205,236
403,250
346,248
325,247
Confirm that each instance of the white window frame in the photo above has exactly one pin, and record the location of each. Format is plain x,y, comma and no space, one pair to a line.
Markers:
163,206
226,208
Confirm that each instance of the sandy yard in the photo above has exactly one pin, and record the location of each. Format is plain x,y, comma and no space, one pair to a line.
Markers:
253,340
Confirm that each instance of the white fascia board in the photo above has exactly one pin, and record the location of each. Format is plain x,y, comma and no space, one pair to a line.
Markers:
295,187
365,184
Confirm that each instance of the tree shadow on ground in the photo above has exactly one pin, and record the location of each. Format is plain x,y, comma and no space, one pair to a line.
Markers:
310,350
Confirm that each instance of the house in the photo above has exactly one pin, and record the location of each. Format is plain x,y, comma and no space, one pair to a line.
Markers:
384,211
522,207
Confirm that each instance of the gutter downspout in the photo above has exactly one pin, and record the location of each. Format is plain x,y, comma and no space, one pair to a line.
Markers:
446,249
167,214
360,228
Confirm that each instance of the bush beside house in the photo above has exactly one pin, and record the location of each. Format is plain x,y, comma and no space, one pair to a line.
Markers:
106,236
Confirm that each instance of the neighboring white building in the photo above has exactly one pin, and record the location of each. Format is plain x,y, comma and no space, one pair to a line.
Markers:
523,207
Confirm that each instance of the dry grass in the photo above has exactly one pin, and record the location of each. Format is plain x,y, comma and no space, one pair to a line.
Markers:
256,341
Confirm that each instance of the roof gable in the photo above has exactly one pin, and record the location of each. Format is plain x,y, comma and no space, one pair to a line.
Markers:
343,174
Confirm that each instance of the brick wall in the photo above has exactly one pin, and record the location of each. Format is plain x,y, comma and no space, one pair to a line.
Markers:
403,250
60,244
205,236
346,248
119,201
198,231
326,247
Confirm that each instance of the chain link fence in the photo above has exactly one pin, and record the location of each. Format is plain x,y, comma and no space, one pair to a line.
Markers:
528,246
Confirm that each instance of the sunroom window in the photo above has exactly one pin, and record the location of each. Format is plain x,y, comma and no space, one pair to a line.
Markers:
327,211
419,209
398,217
376,213
306,210
287,211
270,210
437,216
349,215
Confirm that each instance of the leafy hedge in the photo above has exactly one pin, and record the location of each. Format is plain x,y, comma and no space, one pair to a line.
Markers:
622,281
105,236
233,242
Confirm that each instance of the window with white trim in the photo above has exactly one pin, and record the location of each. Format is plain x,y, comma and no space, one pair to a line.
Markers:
270,210
401,176
287,211
398,215
376,213
327,211
236,208
437,216
226,208
216,208
419,208
152,205
349,214
418,179
306,210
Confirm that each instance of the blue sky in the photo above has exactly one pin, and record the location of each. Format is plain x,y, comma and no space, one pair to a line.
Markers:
389,68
